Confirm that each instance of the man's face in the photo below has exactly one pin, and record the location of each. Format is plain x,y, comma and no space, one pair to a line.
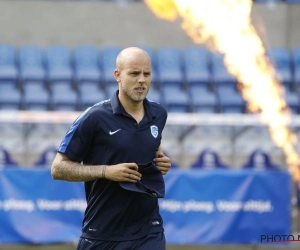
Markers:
135,78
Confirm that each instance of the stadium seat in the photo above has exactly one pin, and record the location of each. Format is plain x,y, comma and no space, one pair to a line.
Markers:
31,64
202,99
296,66
220,74
281,60
5,159
36,97
86,65
154,95
267,1
111,90
208,159
259,160
10,97
175,99
58,63
293,1
107,61
196,65
169,66
230,100
152,54
64,98
90,95
46,157
292,100
8,67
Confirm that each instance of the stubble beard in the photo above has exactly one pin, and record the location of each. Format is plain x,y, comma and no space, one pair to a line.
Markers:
129,93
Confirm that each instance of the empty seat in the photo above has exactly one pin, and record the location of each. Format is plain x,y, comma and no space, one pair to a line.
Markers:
64,98
90,95
111,90
292,100
296,66
6,159
230,100
86,64
169,66
175,99
8,67
36,97
208,159
202,99
10,97
281,61
196,65
58,62
260,160
107,60
220,74
31,63
46,157
154,95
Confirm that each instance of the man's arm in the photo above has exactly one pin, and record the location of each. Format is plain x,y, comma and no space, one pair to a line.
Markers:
162,162
65,169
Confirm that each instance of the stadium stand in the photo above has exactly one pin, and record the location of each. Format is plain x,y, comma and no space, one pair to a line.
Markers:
31,64
208,159
202,99
259,160
89,95
5,158
107,61
281,60
86,65
8,67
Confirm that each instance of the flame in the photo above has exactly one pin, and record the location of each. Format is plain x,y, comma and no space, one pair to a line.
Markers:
225,26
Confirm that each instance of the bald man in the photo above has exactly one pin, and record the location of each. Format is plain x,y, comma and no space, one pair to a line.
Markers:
114,147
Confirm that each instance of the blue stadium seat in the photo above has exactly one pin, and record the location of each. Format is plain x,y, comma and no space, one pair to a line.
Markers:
293,1
169,66
6,159
220,74
296,66
196,65
202,99
267,1
31,64
208,159
10,97
46,157
8,67
175,99
152,54
230,100
280,58
111,89
90,95
292,100
107,60
64,98
259,160
36,97
154,95
86,65
58,62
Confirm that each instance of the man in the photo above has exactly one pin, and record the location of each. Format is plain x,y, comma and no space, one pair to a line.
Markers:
107,147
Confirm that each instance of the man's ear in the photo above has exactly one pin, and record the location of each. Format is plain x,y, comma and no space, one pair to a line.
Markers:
117,75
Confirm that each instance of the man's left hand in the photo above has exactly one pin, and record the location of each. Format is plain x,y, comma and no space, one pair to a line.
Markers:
162,162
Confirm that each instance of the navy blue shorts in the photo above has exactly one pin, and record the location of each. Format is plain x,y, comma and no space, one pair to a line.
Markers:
155,241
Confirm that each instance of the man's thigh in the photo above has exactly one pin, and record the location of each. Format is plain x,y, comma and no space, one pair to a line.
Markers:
152,241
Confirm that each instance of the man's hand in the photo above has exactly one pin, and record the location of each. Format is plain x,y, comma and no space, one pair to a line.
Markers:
162,162
123,172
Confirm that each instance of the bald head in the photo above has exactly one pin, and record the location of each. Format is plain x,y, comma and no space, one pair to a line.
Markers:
128,55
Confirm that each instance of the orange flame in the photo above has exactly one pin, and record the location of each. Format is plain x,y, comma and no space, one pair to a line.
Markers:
225,26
